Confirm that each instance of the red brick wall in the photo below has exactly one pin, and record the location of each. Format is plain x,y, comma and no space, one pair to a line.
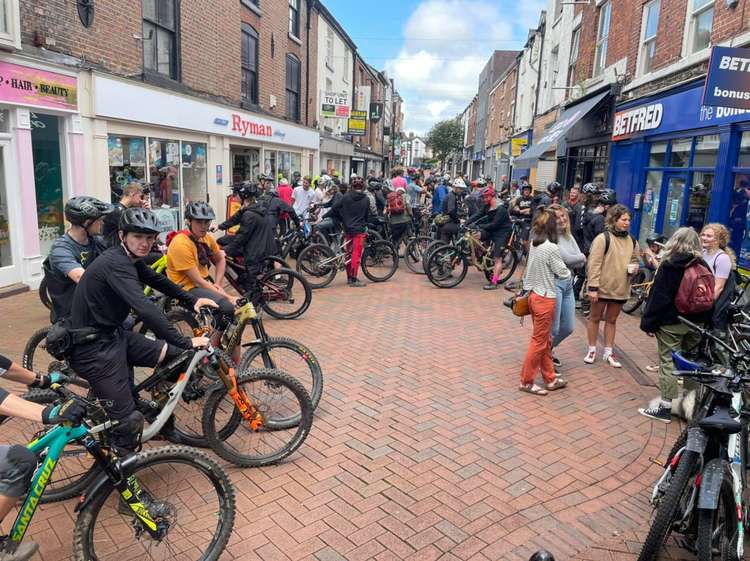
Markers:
500,110
472,136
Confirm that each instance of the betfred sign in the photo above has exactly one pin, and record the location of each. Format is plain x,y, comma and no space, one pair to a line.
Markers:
644,118
728,79
247,127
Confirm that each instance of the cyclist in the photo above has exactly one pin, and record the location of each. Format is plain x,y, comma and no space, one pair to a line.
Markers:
354,210
18,463
239,190
594,220
329,221
546,199
133,195
399,212
191,253
375,186
521,209
74,251
414,187
452,208
654,250
441,191
285,193
474,201
255,240
302,197
100,350
495,225
275,207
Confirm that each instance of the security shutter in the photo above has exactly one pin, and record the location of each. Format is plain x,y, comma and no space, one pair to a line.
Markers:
546,172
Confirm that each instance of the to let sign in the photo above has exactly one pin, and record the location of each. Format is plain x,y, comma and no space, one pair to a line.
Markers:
335,105
728,79
22,85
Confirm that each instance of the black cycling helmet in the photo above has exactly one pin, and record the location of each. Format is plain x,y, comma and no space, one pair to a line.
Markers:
653,238
525,186
542,555
140,221
373,183
591,189
246,190
199,210
80,210
554,188
608,197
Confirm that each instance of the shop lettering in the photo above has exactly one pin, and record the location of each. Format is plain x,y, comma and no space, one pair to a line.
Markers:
245,127
17,84
637,120
49,89
709,113
735,63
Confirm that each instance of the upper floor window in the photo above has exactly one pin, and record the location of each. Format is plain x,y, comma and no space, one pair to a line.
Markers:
701,14
329,46
160,37
575,47
10,24
251,3
249,62
648,42
293,82
602,38
294,18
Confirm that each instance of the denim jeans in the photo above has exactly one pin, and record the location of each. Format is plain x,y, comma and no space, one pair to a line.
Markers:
565,311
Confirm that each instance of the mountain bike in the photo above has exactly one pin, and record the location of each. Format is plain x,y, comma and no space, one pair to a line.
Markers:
640,288
285,294
447,265
319,263
416,248
297,239
147,505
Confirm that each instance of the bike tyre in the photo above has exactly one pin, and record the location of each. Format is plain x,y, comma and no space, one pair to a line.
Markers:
428,252
513,265
316,276
704,543
44,296
379,248
307,289
414,254
83,538
662,524
442,281
307,356
218,444
636,296
37,340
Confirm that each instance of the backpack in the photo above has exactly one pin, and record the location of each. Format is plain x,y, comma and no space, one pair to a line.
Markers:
395,203
607,241
696,291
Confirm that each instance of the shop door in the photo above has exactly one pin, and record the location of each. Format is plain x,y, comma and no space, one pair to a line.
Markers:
674,194
10,271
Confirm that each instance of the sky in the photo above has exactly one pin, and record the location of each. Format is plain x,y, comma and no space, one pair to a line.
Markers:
434,49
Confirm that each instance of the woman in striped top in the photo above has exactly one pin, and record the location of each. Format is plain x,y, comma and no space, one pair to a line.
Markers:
544,267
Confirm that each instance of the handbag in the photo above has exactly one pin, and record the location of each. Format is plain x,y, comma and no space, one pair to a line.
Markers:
442,219
520,304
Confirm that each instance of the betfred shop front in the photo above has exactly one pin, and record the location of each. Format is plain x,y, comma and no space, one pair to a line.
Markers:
186,149
679,163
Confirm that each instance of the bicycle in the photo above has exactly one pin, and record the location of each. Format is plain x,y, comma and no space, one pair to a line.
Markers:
640,288
136,505
443,261
319,263
297,239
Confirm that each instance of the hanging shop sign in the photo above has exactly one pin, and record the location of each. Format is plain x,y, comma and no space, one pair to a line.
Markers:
362,97
376,111
728,79
335,105
357,123
30,86
519,145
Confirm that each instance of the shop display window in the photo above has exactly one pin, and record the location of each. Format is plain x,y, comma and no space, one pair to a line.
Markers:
739,219
269,167
744,159
650,204
681,153
6,251
45,145
699,199
658,155
245,165
194,178
127,163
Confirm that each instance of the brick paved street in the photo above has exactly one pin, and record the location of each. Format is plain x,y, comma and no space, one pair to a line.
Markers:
423,448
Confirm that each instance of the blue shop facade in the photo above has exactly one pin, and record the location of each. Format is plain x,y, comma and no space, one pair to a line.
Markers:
679,163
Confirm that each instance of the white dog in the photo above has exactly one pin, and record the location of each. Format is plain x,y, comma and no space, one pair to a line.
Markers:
684,407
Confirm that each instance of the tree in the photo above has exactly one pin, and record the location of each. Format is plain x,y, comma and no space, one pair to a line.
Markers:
446,138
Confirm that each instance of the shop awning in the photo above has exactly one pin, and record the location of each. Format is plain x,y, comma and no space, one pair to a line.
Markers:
564,123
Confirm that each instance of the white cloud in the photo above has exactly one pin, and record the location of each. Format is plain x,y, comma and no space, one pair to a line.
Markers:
446,43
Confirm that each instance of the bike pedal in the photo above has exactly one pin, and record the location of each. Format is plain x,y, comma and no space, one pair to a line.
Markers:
657,462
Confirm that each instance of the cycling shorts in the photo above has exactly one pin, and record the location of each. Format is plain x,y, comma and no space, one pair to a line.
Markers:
17,466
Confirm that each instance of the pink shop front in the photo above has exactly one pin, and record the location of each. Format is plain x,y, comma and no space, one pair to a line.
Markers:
41,162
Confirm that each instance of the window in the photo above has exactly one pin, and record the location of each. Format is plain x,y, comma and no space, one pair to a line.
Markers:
738,218
250,3
10,24
701,14
602,38
160,37
648,43
575,47
48,178
194,177
650,204
681,152
249,64
658,155
553,71
293,81
294,18
744,160
329,46
558,8
706,151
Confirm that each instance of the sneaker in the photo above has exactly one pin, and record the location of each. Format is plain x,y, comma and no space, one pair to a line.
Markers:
25,550
356,283
590,357
612,361
657,413
556,361
491,286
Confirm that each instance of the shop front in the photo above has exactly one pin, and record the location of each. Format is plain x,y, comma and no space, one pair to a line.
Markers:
185,149
335,155
41,164
679,163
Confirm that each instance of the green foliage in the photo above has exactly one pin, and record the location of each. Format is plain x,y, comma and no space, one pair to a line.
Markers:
445,138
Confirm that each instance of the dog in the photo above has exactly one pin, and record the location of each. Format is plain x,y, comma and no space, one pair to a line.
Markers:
684,407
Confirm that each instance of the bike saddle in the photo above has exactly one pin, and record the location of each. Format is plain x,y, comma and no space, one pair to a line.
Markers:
720,421
685,364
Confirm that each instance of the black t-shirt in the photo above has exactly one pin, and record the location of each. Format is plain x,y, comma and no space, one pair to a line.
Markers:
111,226
113,285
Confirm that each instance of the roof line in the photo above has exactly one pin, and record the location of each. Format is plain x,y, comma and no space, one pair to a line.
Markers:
325,12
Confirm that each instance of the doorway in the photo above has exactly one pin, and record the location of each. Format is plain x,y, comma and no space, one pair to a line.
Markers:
10,270
673,207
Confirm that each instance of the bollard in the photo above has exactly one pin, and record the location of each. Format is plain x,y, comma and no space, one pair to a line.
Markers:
542,555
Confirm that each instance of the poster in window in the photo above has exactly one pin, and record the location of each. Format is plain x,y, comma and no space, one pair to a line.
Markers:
154,149
114,146
200,156
137,152
173,153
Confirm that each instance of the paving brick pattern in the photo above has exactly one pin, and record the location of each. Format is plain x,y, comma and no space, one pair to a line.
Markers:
423,448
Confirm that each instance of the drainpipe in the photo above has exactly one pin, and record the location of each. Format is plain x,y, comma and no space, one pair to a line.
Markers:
307,64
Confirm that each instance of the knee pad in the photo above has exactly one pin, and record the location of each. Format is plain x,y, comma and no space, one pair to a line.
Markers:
17,470
127,434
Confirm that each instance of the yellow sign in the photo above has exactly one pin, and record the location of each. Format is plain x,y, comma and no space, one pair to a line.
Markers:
518,145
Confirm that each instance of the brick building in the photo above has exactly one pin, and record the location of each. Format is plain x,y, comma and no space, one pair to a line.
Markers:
369,89
502,104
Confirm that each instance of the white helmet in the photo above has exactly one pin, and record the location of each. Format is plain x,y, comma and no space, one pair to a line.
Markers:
447,177
458,182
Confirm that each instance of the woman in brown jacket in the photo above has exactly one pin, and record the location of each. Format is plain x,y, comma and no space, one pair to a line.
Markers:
613,260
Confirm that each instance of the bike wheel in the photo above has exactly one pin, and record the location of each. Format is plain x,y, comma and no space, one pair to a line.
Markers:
379,261
428,252
35,356
414,253
717,529
510,263
193,491
447,267
44,294
318,265
286,294
665,513
637,295
287,355
276,396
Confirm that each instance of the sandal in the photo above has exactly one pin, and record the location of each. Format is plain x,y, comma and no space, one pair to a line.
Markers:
532,389
557,384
